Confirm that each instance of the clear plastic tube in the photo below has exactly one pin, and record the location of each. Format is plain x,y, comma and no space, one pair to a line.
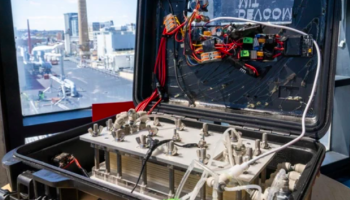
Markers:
201,182
183,180
204,176
228,146
245,187
313,90
277,184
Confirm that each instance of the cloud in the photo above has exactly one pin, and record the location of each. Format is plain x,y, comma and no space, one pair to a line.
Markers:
34,3
44,17
72,1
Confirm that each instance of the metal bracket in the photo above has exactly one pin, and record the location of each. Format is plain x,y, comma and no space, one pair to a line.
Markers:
342,25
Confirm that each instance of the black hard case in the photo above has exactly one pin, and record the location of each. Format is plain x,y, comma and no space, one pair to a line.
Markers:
38,155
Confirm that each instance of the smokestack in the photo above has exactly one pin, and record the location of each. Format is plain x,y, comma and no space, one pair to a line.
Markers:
29,39
83,30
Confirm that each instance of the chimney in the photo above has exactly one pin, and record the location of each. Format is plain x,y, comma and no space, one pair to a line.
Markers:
29,39
83,30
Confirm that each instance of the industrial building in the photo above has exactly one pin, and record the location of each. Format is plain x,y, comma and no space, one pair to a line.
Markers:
71,25
112,40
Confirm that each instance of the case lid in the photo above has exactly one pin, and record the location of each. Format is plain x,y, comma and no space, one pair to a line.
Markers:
222,93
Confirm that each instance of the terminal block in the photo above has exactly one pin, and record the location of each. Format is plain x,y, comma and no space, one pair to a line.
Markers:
170,23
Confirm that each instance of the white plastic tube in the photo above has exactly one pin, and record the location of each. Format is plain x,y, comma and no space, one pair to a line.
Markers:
245,187
226,139
313,90
204,176
228,145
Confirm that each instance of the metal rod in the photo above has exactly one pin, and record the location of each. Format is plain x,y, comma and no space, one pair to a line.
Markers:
263,178
220,195
239,195
203,192
58,193
144,174
171,180
247,195
97,158
47,191
119,164
107,161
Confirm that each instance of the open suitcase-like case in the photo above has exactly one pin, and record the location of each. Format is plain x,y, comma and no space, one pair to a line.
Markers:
223,97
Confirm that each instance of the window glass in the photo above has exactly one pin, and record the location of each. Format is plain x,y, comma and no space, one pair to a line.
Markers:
73,53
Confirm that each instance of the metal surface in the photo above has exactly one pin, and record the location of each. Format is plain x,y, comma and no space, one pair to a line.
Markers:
185,155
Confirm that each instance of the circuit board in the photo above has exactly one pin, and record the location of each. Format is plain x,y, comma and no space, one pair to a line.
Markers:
284,81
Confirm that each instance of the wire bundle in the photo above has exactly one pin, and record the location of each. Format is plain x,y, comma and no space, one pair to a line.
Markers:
74,160
159,75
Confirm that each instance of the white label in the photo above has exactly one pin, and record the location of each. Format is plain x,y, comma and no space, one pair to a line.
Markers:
274,11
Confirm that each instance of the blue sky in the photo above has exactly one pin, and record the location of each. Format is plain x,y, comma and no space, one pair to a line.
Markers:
48,14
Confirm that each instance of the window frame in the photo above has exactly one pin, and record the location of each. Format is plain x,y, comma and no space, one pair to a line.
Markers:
16,126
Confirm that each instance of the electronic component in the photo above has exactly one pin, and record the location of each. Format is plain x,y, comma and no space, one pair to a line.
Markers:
201,18
293,46
248,30
196,34
253,55
210,57
208,45
245,54
248,43
62,159
260,54
299,46
170,23
244,68
307,46
207,33
203,5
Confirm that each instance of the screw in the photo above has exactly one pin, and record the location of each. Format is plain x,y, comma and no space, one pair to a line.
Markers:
257,150
205,128
239,160
143,141
176,136
249,153
156,121
109,124
172,151
264,143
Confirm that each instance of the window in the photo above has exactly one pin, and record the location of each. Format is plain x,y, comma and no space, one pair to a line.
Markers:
73,53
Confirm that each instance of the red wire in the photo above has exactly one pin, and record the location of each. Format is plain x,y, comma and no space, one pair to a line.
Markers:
252,68
275,56
69,164
177,40
77,163
154,106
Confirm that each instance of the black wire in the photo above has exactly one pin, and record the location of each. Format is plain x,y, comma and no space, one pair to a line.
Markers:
189,145
171,7
149,154
189,96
